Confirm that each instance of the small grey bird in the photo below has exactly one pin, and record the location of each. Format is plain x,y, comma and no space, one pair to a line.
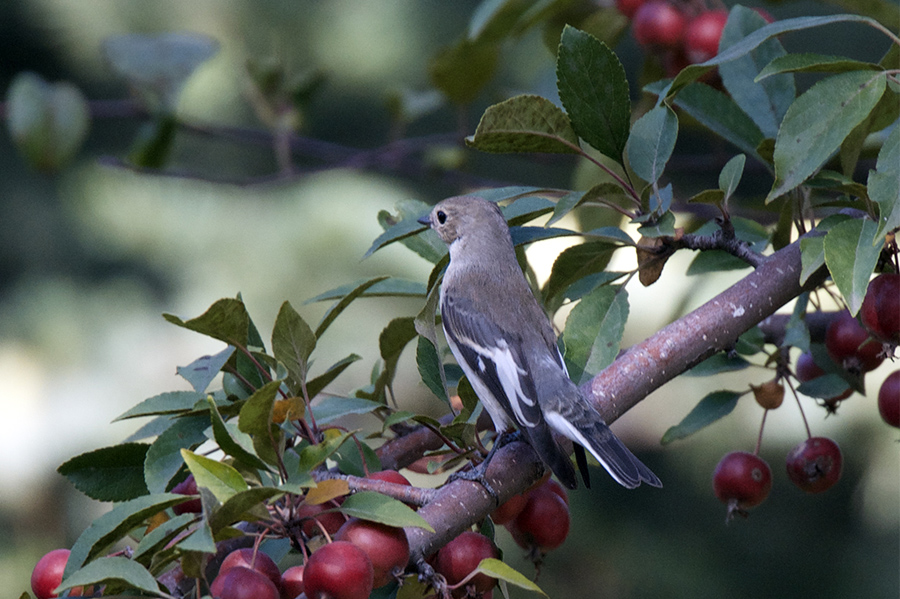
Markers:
504,342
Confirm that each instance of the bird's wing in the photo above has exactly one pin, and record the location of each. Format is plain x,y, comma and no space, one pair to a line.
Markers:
495,356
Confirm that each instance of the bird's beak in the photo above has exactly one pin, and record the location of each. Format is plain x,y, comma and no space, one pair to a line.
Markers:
425,220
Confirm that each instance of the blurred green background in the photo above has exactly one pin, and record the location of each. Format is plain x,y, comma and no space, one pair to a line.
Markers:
90,258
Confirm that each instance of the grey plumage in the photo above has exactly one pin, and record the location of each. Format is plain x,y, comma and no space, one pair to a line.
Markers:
504,342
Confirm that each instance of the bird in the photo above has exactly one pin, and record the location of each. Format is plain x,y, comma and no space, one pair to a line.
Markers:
505,344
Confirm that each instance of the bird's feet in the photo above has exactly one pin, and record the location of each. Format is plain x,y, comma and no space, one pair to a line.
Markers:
477,473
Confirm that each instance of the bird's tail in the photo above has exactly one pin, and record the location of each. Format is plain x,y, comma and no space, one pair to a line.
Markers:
578,421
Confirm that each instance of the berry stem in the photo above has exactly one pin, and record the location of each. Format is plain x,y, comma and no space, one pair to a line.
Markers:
799,406
759,437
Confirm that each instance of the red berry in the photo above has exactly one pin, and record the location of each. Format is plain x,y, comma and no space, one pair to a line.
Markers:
310,514
507,512
391,476
48,573
658,24
338,570
815,464
889,399
292,582
386,546
702,35
543,523
628,7
554,486
243,583
742,480
880,311
459,558
255,560
187,487
807,370
849,345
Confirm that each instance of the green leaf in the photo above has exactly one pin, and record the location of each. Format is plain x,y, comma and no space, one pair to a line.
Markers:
752,41
113,571
594,91
383,509
884,185
200,540
390,287
220,478
236,507
109,474
651,143
398,232
429,245
316,385
575,263
501,571
765,102
796,332
851,255
664,226
429,366
814,63
112,526
355,459
711,408
164,459
393,339
226,320
201,372
293,342
525,124
731,174
172,402
719,113
335,310
232,441
330,408
157,538
827,386
717,364
593,331
313,455
817,123
256,420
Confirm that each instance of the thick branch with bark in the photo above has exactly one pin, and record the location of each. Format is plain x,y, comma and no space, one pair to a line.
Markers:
713,327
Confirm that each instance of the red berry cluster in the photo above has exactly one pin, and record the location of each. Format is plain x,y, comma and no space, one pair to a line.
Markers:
855,349
743,480
360,555
680,32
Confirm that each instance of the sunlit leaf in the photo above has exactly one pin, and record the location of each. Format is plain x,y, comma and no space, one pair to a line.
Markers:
818,121
381,508
113,570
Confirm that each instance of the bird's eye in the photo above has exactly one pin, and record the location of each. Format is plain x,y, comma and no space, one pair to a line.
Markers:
441,216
